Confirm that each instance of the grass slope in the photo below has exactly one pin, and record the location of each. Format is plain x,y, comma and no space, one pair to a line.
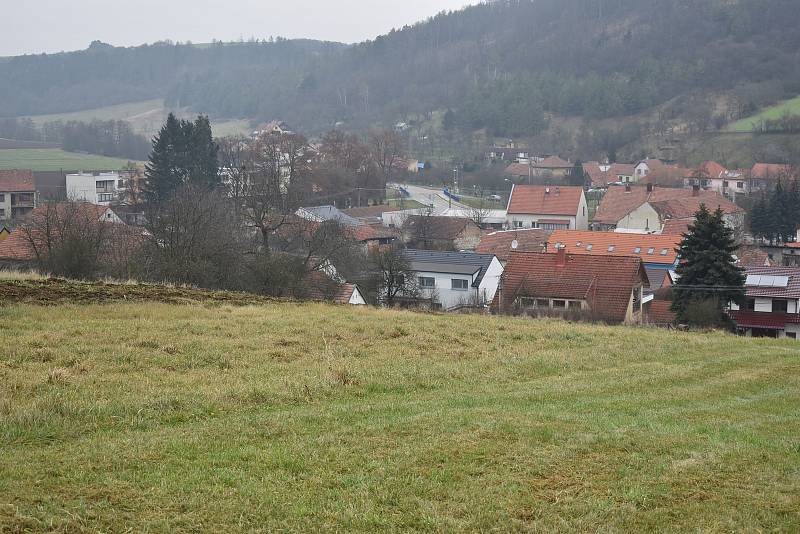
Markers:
791,107
145,118
216,418
54,159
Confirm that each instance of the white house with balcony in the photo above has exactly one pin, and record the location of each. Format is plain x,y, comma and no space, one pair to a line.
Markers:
455,279
772,304
101,188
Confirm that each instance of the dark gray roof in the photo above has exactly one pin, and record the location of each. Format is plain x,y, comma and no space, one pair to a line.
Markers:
434,261
791,291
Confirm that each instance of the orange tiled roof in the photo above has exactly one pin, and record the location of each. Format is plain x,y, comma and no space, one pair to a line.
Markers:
765,171
649,247
545,200
17,181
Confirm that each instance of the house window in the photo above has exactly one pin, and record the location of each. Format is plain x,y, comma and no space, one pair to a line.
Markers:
651,251
750,305
637,250
589,247
518,224
740,185
791,335
427,282
664,252
2,213
612,248
543,304
105,197
575,305
2,197
725,183
120,183
559,304
459,284
780,306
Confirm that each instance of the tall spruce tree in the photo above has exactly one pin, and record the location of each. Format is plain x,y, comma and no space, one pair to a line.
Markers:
708,278
183,152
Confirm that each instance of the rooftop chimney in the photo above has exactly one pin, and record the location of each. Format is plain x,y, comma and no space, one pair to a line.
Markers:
558,191
627,188
649,188
561,257
695,190
546,190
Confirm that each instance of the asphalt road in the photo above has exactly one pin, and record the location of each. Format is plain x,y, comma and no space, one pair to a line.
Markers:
428,196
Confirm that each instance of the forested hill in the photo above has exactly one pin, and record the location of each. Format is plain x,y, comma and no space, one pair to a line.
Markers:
501,65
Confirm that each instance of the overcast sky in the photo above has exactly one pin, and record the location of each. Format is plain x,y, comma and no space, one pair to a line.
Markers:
34,26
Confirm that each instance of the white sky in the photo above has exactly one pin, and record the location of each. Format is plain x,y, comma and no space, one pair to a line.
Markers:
34,26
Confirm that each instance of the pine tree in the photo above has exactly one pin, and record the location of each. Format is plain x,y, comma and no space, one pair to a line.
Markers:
708,277
163,172
183,152
760,219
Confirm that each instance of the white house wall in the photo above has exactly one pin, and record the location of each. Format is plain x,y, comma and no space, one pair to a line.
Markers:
491,281
446,296
642,218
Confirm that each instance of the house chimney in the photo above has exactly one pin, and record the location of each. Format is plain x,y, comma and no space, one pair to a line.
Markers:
649,188
561,257
627,188
546,190
558,191
695,190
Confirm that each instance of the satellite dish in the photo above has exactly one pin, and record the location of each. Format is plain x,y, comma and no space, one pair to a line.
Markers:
514,245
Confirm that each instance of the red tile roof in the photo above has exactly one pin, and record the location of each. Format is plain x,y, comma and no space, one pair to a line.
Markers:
792,291
553,162
499,243
658,312
618,202
518,169
320,287
545,200
753,257
687,207
576,241
769,321
17,182
712,169
677,226
17,247
766,171
604,282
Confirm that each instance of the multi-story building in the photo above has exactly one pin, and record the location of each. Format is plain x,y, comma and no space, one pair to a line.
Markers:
17,194
772,305
101,188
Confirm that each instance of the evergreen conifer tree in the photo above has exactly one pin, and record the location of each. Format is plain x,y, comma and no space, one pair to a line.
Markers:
708,278
183,152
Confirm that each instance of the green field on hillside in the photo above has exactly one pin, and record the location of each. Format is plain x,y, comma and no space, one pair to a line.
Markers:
307,417
54,159
791,107
145,118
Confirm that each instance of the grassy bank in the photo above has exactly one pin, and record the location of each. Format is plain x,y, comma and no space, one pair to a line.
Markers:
787,107
220,418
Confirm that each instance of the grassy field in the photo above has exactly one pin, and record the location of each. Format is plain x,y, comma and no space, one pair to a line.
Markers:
54,159
777,111
145,117
287,417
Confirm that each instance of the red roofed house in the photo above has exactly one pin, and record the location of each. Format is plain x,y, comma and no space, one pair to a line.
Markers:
327,287
711,176
600,174
503,243
602,288
765,175
772,308
547,208
17,194
424,232
651,209
541,168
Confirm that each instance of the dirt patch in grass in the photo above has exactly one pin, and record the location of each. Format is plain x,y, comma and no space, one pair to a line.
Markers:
55,291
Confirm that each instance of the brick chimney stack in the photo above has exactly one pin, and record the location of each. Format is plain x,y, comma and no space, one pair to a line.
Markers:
561,257
695,190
